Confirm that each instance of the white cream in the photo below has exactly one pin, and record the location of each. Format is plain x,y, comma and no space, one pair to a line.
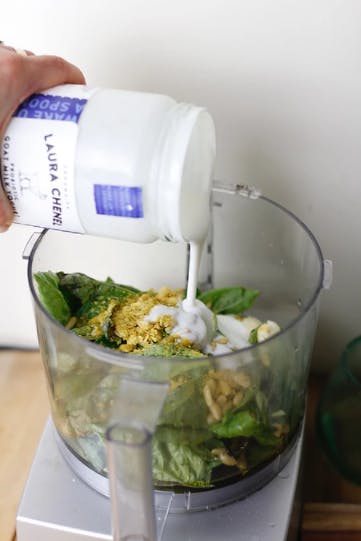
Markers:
187,325
216,348
190,326
195,322
195,254
199,326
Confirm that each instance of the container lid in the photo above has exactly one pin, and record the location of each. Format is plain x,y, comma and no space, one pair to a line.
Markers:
184,174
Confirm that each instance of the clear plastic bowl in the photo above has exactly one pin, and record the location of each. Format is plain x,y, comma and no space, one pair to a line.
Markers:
254,243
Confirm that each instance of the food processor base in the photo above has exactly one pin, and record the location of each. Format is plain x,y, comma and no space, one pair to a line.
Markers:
58,506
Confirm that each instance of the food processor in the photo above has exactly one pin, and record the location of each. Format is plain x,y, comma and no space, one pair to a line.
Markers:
140,429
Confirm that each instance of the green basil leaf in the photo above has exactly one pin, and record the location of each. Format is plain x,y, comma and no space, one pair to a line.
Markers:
241,423
80,289
51,297
99,301
113,290
184,404
182,457
169,349
245,424
77,288
253,336
229,300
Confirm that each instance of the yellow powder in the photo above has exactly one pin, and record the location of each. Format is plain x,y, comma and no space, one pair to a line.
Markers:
128,318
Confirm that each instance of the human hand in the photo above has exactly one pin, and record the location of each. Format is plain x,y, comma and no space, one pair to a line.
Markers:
21,74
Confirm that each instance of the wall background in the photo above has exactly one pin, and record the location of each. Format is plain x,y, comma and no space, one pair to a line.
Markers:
282,79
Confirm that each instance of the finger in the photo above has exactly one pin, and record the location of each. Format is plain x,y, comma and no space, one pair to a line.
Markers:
24,52
29,74
6,212
46,71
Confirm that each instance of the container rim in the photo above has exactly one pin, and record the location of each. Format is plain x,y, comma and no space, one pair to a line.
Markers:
119,358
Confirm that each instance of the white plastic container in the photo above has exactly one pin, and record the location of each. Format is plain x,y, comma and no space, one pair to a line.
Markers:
129,165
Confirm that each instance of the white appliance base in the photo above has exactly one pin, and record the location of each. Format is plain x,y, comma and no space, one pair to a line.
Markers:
58,506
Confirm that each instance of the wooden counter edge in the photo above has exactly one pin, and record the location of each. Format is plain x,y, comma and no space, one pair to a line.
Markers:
331,522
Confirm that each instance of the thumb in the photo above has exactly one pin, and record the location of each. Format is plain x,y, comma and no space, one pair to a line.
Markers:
42,72
6,212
